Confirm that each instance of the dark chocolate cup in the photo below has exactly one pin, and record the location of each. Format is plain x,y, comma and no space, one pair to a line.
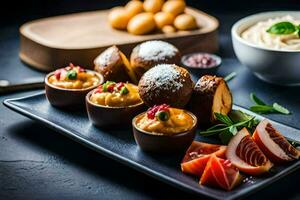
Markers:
103,116
164,143
68,98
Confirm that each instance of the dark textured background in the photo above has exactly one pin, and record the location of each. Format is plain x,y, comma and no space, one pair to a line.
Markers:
37,163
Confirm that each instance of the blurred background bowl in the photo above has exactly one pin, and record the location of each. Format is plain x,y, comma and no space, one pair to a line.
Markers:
200,71
279,67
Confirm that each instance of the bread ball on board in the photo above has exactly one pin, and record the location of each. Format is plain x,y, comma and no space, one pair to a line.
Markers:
175,7
185,22
153,6
118,18
141,23
134,7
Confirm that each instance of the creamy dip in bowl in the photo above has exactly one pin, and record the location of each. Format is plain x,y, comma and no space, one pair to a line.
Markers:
271,57
258,35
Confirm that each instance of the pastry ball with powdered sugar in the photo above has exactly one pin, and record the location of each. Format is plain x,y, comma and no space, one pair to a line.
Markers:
150,53
111,65
166,83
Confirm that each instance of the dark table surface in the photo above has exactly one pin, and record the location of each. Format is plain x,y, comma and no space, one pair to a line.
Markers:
38,163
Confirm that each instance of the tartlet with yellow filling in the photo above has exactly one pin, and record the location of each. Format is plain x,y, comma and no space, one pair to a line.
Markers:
68,86
113,103
164,129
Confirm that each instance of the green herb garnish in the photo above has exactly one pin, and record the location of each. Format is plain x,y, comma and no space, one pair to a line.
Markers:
230,76
104,87
162,115
256,100
295,144
263,108
124,90
284,28
280,109
230,125
71,74
106,84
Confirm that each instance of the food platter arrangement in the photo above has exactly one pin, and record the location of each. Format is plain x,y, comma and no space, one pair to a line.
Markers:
165,109
216,149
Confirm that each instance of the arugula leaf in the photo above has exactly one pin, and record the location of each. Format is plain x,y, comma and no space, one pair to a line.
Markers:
230,76
216,126
283,28
233,130
238,116
256,100
252,124
280,109
213,132
223,118
227,128
261,109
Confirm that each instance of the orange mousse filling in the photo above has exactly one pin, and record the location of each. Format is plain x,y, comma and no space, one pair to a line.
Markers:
73,77
116,95
163,120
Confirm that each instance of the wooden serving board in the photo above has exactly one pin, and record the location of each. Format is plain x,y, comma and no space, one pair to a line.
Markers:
54,42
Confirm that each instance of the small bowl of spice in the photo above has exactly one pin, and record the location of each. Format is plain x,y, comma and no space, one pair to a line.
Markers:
201,63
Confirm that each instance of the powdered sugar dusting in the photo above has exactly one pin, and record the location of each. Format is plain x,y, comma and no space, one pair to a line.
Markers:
105,57
163,76
156,50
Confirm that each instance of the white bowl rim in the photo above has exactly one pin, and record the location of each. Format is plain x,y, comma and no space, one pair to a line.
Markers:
237,24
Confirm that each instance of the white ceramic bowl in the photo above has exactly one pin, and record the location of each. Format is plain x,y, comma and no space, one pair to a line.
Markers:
280,67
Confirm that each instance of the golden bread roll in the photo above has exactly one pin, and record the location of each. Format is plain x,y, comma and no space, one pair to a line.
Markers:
163,18
114,66
141,24
150,53
185,22
168,29
134,7
153,6
174,6
211,95
118,18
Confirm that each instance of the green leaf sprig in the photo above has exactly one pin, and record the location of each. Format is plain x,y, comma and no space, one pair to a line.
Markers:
230,76
72,75
262,108
230,125
284,28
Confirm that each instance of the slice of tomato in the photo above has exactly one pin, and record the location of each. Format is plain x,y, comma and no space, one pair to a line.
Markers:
220,173
207,177
197,156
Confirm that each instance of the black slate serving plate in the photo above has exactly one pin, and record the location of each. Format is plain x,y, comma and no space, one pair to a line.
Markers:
119,144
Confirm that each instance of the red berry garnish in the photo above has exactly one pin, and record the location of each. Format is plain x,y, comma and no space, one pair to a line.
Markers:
99,90
57,74
120,85
111,87
156,108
